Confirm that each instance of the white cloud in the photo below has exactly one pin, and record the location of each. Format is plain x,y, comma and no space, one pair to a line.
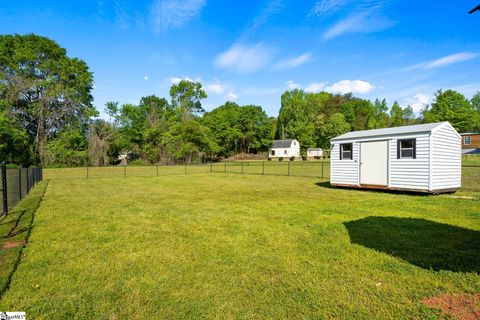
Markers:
353,86
315,87
293,62
244,59
292,85
231,96
168,14
215,88
366,18
145,78
176,80
418,101
443,61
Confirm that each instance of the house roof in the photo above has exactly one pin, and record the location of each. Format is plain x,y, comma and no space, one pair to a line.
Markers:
314,149
427,127
468,133
282,143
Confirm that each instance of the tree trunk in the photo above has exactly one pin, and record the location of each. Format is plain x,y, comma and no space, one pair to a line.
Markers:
40,139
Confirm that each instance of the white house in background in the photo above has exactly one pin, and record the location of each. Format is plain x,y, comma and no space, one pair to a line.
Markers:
314,153
284,149
423,158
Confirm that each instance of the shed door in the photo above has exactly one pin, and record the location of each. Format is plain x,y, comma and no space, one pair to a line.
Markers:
374,163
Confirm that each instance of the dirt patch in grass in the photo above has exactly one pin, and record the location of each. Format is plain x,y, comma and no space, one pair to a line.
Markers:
465,307
11,244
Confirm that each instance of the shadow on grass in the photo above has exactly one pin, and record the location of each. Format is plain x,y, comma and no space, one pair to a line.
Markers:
424,243
15,229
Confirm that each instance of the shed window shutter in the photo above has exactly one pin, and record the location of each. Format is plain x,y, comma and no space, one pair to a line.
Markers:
398,149
414,148
340,148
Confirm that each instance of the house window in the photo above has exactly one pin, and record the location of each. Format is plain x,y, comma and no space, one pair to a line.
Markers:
284,151
273,152
406,149
467,140
346,151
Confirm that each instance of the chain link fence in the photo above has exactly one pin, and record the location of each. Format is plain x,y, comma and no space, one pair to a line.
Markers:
16,184
319,169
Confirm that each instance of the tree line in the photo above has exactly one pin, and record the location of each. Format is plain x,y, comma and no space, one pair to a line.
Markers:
47,116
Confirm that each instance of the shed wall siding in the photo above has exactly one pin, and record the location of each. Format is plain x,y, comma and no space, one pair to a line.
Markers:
343,171
446,159
410,173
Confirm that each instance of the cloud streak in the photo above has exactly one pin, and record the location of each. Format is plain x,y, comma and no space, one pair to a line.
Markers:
244,59
293,62
366,17
168,14
327,7
443,61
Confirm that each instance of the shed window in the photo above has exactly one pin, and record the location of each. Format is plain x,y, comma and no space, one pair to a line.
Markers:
406,149
346,151
467,140
284,151
273,152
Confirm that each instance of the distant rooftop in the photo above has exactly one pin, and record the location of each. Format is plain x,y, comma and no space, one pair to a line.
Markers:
427,127
468,133
282,143
314,149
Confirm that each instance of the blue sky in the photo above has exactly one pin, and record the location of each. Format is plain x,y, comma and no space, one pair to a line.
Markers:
252,51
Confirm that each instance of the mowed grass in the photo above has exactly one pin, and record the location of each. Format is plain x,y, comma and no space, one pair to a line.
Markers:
241,246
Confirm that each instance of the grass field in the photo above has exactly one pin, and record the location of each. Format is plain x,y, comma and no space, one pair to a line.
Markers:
238,246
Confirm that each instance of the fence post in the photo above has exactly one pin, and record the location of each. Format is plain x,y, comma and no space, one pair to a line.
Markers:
4,187
125,171
20,182
225,167
28,180
157,170
185,168
263,168
322,169
211,166
87,170
289,168
242,167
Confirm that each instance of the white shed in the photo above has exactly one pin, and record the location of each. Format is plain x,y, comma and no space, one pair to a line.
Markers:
314,153
284,149
423,158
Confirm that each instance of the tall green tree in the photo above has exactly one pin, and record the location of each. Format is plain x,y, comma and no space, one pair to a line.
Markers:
475,101
408,115
396,115
186,98
380,113
187,139
336,126
46,90
451,106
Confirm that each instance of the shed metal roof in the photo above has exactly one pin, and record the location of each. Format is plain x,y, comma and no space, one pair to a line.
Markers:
282,143
427,127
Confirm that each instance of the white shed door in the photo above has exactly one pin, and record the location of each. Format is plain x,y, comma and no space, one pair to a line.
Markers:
374,163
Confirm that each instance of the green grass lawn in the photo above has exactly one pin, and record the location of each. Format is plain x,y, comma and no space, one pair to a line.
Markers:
214,245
